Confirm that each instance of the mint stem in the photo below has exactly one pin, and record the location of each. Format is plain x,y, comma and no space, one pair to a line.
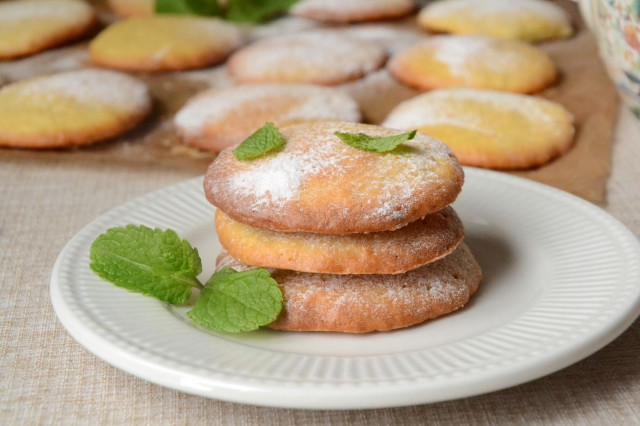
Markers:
193,282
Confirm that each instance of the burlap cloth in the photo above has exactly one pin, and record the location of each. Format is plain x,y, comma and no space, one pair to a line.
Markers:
46,197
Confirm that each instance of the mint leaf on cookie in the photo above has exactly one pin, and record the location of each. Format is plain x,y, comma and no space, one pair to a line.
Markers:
188,7
256,10
149,261
265,139
375,144
234,301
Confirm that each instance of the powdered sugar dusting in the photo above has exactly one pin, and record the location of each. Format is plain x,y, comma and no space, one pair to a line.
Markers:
311,103
393,38
66,10
448,107
277,179
323,103
461,53
487,9
90,86
314,55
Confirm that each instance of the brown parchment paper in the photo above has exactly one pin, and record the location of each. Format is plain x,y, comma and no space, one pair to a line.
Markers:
584,89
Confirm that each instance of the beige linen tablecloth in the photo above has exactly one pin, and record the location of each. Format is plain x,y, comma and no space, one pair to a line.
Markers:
45,198
48,378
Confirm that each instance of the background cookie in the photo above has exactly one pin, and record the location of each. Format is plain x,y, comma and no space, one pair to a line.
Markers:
218,118
71,108
476,62
390,252
318,57
31,26
352,10
487,128
364,303
163,43
530,20
129,8
317,183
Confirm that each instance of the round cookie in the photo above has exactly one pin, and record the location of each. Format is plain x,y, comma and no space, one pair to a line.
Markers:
317,57
218,118
70,108
129,8
365,303
487,128
31,26
164,43
389,252
530,20
317,183
474,61
346,11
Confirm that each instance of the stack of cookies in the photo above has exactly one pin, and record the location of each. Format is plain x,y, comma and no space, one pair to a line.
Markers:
358,241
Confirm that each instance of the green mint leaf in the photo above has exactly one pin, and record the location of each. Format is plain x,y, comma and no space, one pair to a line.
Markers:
188,7
237,301
375,144
149,261
256,10
265,139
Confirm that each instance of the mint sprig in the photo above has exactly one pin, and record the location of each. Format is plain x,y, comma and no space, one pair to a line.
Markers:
256,10
235,301
233,10
265,139
375,144
149,261
158,263
188,7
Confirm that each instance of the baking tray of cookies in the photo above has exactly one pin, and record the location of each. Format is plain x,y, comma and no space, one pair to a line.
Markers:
583,89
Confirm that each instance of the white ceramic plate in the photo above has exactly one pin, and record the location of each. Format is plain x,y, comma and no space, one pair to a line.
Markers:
562,279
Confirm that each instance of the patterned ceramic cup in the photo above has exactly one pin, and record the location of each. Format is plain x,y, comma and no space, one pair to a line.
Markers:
616,25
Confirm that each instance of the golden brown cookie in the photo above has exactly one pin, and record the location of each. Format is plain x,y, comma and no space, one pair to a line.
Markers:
345,11
219,118
488,128
164,43
317,57
476,62
317,183
529,20
365,303
130,8
31,26
388,252
70,108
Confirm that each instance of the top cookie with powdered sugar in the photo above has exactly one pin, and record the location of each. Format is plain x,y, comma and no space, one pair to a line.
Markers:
317,183
326,57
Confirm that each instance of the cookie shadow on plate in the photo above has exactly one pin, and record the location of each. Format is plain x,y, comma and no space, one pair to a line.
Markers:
495,256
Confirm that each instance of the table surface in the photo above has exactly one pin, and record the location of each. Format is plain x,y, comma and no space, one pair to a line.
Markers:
46,377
